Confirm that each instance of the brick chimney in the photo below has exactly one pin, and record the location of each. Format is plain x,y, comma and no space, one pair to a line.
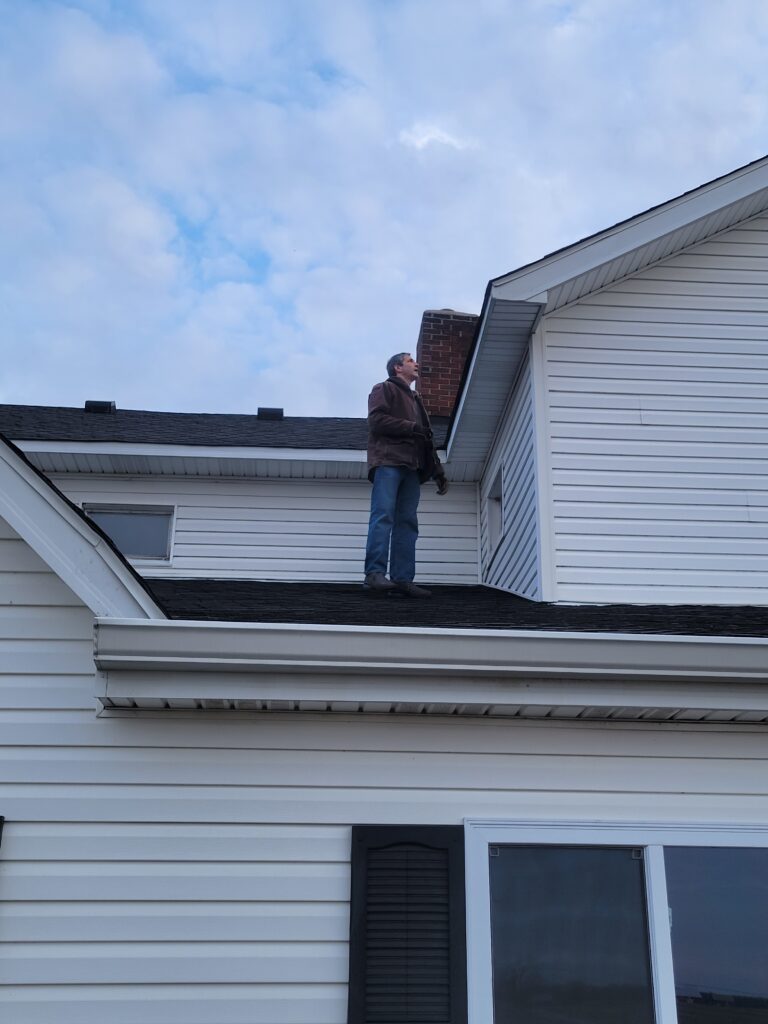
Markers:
444,342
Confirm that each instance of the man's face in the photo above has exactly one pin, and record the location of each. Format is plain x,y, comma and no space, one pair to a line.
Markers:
409,370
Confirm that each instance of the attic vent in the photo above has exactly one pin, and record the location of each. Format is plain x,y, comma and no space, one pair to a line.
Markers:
269,414
100,407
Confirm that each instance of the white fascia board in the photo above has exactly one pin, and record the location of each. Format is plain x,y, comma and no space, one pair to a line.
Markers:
625,237
468,654
78,555
457,417
193,451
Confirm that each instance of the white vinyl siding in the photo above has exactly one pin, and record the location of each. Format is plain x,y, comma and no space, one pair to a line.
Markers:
657,392
288,529
193,868
512,563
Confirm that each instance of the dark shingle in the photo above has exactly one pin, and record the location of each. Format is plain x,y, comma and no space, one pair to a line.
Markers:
53,423
451,607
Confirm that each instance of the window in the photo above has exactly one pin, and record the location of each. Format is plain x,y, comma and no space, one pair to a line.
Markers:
639,924
495,506
138,531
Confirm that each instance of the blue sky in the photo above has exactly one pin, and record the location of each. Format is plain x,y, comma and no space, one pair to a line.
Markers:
210,205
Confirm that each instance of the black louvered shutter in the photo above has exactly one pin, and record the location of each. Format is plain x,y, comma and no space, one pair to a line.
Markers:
407,961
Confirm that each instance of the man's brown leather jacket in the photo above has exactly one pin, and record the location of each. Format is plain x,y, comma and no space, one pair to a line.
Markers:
399,433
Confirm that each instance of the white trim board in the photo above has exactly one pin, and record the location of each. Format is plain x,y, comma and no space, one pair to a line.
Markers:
79,556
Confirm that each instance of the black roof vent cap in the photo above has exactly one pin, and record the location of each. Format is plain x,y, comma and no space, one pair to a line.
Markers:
265,413
100,407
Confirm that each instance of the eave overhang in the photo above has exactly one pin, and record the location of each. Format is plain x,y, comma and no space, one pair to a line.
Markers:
141,459
502,341
114,457
247,666
72,547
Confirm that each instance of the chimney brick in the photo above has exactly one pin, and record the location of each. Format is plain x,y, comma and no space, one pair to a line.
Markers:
445,339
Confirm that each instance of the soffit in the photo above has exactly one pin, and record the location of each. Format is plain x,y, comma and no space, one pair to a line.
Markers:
184,461
502,343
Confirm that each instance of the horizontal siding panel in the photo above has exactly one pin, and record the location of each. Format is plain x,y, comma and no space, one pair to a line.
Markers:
634,530
242,533
119,841
236,881
22,622
46,692
136,921
615,301
190,963
150,730
678,334
660,510
222,549
381,806
51,657
35,588
619,316
741,357
754,582
178,1004
716,483
16,556
713,469
326,771
124,772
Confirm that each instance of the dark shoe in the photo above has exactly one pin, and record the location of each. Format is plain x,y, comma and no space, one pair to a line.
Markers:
412,589
378,582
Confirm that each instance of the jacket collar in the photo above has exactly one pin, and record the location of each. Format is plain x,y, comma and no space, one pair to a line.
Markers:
401,384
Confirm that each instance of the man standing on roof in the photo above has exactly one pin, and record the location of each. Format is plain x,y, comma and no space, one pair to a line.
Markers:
401,456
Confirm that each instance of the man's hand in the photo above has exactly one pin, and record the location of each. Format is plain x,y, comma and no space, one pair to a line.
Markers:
442,484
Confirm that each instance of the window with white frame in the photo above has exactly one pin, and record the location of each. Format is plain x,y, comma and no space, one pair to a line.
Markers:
638,924
495,511
138,531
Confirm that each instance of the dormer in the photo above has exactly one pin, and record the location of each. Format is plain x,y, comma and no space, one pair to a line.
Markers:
614,405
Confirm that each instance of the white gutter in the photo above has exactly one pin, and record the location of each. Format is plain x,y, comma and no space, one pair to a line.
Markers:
378,651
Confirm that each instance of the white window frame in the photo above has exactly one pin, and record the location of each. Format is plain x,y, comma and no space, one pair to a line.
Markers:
652,837
157,510
494,511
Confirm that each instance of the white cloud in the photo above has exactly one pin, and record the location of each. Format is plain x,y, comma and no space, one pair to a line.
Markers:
422,135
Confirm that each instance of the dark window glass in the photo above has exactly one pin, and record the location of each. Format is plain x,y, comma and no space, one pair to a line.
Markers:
569,936
718,901
138,534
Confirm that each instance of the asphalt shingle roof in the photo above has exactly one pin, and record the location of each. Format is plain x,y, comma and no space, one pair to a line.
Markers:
55,423
450,607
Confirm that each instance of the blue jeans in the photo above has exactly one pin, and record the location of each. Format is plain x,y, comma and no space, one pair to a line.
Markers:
393,526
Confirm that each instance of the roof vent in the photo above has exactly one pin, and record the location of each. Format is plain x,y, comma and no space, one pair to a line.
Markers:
264,413
100,407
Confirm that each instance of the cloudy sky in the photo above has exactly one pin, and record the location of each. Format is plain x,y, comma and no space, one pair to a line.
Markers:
210,205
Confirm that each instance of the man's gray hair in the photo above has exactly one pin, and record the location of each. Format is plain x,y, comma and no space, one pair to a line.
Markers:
394,361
